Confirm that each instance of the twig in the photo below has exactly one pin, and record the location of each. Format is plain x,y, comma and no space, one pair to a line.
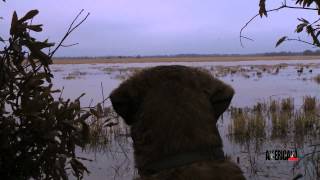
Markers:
254,17
71,28
89,107
61,92
315,21
299,40
91,101
102,94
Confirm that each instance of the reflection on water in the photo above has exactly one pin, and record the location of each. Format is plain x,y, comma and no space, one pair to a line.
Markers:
275,107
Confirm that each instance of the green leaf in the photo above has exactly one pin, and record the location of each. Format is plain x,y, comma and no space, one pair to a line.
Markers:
36,28
14,23
281,40
300,27
262,9
29,15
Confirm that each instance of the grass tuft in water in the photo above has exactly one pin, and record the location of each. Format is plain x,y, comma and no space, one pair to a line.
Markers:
309,103
317,78
287,104
278,116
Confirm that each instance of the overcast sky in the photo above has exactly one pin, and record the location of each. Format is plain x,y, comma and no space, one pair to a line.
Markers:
160,27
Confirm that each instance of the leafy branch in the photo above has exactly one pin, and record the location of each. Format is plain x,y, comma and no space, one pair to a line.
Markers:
311,29
38,133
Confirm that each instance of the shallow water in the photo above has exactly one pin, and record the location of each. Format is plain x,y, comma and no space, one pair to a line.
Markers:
253,81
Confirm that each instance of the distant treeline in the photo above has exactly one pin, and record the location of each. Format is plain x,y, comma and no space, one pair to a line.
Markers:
282,53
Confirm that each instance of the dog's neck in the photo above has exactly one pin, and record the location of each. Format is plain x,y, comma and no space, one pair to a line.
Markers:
182,159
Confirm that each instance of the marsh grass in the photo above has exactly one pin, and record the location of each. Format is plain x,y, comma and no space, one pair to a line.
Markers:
307,123
309,103
257,125
317,78
246,125
239,125
273,106
259,107
287,104
280,116
105,129
280,125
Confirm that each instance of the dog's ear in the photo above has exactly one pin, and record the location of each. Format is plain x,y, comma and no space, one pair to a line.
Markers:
126,101
221,99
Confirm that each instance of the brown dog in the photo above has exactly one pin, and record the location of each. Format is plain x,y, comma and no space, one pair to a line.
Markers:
172,112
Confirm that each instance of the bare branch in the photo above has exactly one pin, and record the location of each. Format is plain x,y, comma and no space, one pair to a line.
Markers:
75,19
254,17
71,28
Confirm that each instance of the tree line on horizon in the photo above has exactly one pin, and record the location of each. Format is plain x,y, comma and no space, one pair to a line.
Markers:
281,53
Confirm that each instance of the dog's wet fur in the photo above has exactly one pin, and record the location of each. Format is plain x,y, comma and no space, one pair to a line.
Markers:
173,110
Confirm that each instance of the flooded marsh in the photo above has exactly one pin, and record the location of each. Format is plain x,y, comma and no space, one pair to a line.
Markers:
276,106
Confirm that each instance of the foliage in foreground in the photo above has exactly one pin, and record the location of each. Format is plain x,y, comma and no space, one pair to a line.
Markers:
310,27
38,133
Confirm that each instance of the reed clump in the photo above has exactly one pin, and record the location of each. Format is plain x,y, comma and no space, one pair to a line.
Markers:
280,124
273,106
317,78
256,125
306,124
105,128
309,103
277,115
238,127
287,104
247,124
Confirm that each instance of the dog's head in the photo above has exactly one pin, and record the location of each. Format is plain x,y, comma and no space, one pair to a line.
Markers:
171,110
129,98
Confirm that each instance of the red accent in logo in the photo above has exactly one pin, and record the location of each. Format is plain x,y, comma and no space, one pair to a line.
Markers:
293,158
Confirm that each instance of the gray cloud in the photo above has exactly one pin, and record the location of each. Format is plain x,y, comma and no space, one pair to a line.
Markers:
126,27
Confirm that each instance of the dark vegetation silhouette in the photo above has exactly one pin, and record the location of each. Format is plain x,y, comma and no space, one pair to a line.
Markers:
39,133
172,112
